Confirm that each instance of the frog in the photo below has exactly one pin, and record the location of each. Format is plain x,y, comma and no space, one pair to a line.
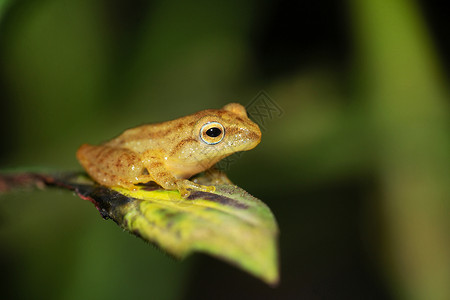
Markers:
170,153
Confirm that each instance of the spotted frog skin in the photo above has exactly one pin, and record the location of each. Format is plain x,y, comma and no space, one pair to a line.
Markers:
169,153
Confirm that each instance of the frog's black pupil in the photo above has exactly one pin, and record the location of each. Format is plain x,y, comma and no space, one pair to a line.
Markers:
213,132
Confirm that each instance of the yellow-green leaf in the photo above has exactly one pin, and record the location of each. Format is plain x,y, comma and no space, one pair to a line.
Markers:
229,224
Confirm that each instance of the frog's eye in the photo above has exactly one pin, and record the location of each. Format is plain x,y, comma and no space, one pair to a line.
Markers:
212,133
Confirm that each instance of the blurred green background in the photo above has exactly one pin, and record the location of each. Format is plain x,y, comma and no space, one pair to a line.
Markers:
356,170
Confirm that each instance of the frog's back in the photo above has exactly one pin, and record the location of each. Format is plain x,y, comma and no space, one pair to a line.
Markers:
162,135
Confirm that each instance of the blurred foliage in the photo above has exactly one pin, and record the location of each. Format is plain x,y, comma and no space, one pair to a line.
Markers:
410,121
356,170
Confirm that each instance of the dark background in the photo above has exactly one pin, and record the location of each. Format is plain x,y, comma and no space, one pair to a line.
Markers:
356,168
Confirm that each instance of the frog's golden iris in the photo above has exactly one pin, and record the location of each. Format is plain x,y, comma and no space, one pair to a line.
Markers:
212,133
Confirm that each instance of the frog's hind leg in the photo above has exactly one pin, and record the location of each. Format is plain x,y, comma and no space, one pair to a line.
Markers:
112,166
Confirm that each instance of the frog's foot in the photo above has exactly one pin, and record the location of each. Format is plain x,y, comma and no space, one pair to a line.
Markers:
185,184
126,185
131,184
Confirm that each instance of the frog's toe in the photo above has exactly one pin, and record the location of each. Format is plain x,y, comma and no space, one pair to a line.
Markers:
186,184
184,192
208,189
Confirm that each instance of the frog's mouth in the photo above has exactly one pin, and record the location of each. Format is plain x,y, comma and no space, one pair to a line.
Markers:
252,143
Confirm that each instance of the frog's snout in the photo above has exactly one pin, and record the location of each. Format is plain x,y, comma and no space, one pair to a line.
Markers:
253,137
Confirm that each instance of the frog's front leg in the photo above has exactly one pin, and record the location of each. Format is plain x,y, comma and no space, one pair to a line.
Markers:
153,160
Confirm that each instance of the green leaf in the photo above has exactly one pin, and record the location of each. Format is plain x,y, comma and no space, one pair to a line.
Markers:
229,224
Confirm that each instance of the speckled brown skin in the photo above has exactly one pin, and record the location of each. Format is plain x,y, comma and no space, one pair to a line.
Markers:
169,153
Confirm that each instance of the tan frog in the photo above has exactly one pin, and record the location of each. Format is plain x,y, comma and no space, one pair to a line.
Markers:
169,153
